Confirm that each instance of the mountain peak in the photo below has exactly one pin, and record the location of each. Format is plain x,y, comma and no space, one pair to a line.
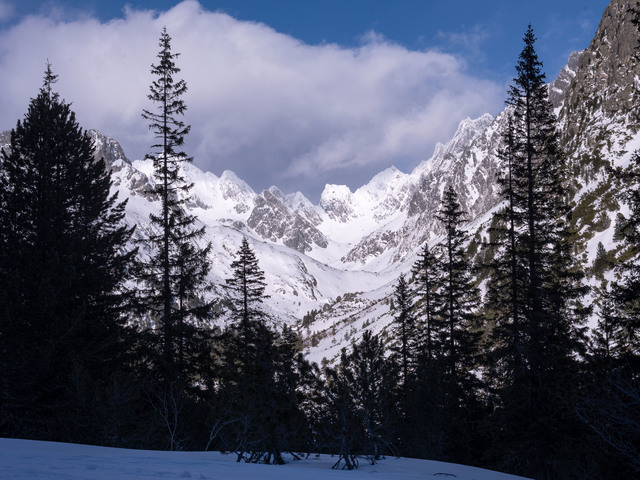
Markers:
107,148
607,69
337,202
560,86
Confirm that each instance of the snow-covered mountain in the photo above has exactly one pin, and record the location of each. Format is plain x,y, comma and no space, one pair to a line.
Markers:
334,264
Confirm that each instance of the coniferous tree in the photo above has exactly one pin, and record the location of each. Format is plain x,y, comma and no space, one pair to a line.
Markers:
457,331
247,355
601,262
264,373
63,264
290,428
341,429
359,404
536,287
174,277
406,335
426,272
458,298
422,433
246,286
373,378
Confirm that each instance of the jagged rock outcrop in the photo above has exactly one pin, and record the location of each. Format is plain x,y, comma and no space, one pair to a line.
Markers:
273,220
236,191
600,107
560,86
109,149
468,162
337,202
298,203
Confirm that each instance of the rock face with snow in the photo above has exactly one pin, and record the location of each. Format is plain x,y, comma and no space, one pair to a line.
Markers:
560,86
600,109
607,72
275,221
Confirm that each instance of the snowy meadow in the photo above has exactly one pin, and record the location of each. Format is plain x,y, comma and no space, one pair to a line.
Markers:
26,459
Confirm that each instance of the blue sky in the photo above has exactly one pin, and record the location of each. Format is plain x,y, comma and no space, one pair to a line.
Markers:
292,93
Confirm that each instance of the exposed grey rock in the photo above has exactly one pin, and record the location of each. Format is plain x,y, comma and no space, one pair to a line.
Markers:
603,96
560,86
273,220
109,149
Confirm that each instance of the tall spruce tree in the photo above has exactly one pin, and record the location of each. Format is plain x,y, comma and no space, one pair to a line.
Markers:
406,353
425,271
458,299
405,334
262,372
174,277
422,432
457,331
246,286
63,264
536,286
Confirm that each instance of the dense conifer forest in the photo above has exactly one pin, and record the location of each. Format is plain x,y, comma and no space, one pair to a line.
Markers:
109,341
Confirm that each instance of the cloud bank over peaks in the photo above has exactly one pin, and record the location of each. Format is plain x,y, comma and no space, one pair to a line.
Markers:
261,103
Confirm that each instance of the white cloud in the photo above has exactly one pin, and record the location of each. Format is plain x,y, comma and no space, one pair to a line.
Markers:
273,109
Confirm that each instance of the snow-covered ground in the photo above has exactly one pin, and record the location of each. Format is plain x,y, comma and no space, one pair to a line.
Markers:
26,459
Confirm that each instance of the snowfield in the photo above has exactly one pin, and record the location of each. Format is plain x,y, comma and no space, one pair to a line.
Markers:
28,459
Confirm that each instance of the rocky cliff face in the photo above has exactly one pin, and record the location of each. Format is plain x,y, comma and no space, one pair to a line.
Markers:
468,163
598,112
560,86
275,221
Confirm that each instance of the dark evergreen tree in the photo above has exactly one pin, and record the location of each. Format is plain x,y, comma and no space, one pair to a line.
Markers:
536,288
606,344
246,287
422,431
63,264
174,276
341,431
405,334
457,331
290,429
264,374
458,299
601,262
426,273
358,397
373,378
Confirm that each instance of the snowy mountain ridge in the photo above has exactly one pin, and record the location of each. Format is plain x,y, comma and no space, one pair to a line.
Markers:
334,264
338,258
